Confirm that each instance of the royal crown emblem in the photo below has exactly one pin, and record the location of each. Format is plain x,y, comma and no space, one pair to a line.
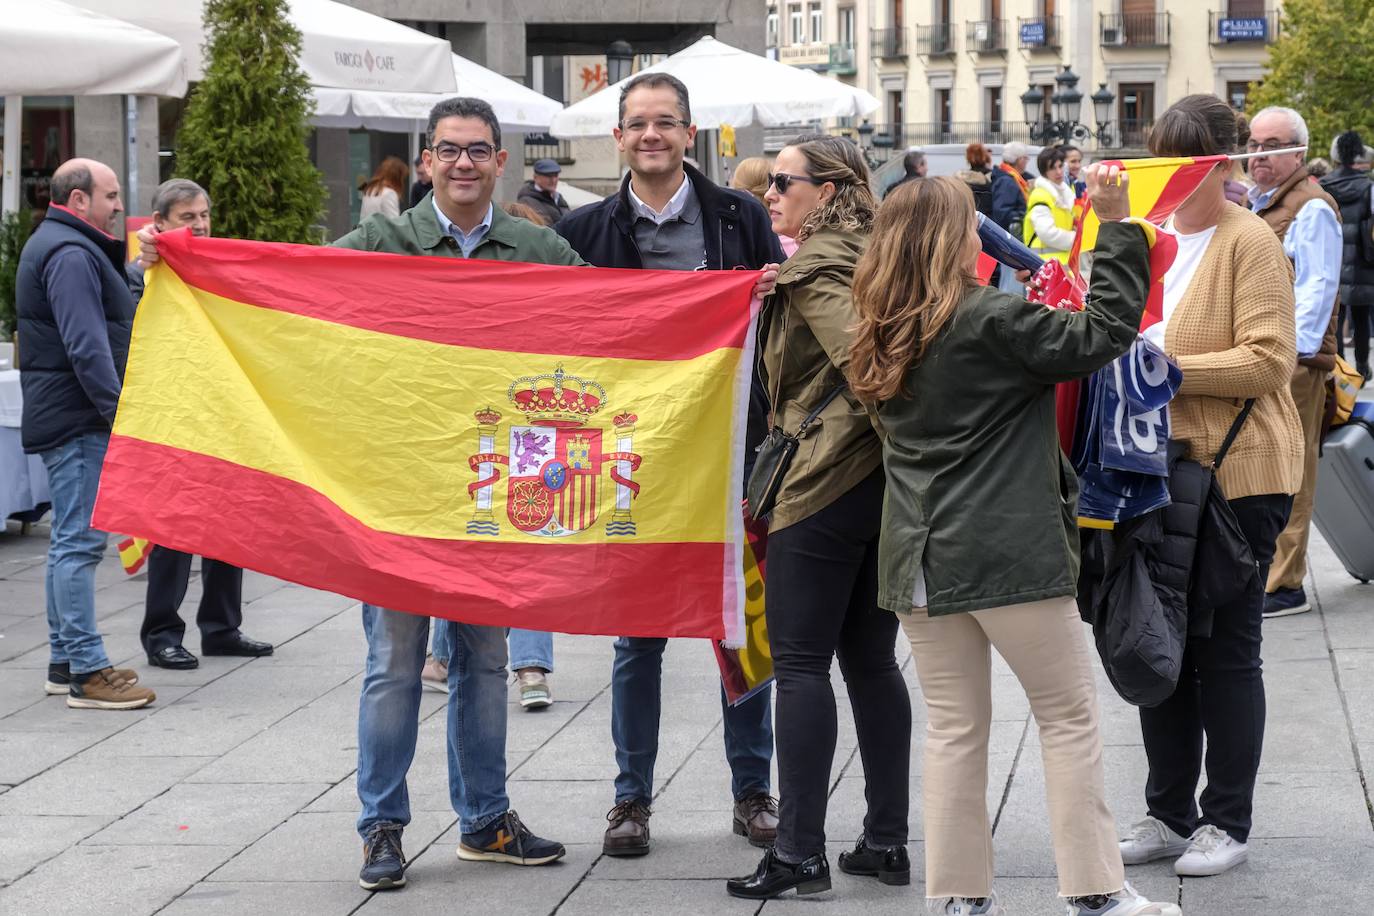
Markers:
554,460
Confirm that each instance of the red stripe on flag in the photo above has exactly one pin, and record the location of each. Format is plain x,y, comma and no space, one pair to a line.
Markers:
528,308
290,531
1181,185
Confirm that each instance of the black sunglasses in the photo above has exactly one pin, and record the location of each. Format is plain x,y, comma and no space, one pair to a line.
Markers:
782,181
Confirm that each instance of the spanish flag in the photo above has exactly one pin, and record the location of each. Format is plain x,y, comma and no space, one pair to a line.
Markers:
133,553
1157,187
555,448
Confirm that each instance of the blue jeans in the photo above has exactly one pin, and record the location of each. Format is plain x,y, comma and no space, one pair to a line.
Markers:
636,698
528,648
74,551
389,710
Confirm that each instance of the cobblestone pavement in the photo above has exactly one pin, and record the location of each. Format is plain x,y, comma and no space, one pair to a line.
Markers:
235,792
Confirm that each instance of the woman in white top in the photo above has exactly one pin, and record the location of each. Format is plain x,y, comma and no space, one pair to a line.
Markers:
383,191
1048,228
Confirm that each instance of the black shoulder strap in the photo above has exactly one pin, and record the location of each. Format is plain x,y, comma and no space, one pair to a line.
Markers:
1232,433
825,402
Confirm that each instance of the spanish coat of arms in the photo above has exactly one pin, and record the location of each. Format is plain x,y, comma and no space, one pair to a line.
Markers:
554,460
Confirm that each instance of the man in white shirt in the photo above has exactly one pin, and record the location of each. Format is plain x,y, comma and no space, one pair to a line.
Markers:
1307,220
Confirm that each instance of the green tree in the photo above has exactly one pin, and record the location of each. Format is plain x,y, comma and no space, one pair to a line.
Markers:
1323,66
244,136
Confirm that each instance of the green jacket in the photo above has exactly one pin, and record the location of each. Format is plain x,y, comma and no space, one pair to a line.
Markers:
804,361
979,493
416,231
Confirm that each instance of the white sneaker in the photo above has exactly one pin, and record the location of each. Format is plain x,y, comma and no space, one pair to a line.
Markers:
1125,902
1149,840
965,906
1210,852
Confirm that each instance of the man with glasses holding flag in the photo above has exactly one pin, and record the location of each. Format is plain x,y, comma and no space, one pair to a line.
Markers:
668,216
455,219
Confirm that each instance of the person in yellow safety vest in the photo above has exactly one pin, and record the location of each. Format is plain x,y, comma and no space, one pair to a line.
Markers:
1048,228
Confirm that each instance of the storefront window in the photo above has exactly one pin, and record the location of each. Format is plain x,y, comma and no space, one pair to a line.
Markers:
47,139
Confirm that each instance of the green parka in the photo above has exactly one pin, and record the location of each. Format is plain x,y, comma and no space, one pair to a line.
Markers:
979,494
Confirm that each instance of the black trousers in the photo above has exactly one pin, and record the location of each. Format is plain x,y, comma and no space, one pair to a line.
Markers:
1220,696
220,614
822,602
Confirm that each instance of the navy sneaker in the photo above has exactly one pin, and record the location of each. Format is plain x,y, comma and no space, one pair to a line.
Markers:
1285,602
508,840
384,864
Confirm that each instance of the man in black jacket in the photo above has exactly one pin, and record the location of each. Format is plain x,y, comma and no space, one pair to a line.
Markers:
75,314
540,193
668,216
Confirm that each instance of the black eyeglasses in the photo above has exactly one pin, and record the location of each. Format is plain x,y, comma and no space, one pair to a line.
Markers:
452,152
1269,146
782,181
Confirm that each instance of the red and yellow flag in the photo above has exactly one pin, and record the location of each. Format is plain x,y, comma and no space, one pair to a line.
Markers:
133,553
555,448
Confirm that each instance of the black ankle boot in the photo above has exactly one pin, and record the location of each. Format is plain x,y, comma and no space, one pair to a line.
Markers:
889,864
774,877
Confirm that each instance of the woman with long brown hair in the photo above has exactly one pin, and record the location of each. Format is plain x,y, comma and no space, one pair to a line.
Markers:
822,596
979,545
385,189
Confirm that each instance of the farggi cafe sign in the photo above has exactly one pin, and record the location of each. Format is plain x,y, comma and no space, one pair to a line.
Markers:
365,60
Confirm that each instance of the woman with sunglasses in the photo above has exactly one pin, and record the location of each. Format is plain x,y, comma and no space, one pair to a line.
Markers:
979,545
822,594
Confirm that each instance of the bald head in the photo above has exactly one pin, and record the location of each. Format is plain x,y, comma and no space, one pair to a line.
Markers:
90,189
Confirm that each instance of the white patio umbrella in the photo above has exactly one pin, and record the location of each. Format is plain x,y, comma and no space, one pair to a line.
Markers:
728,86
518,108
341,47
52,48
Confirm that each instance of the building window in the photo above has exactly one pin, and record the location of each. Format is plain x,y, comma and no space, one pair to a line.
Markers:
796,25
944,109
817,23
772,27
1238,94
993,104
846,36
1136,112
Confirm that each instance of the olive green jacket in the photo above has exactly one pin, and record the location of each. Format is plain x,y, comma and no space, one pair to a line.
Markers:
416,231
979,494
804,335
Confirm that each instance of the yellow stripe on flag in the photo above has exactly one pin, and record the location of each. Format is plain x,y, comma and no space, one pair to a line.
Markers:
325,405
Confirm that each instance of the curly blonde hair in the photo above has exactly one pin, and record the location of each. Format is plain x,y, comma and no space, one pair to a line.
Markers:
837,160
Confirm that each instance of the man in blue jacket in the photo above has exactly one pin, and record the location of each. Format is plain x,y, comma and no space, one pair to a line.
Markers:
75,314
668,216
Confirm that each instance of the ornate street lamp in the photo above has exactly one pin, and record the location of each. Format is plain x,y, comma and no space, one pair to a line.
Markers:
1103,100
620,58
1061,125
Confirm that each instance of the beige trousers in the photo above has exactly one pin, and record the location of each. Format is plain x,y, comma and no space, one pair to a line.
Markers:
1290,552
1044,643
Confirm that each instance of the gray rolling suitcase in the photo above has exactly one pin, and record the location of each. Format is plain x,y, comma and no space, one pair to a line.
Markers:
1343,506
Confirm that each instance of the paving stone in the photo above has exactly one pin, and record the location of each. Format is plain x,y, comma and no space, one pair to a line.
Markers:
192,814
29,840
317,898
663,897
99,880
93,782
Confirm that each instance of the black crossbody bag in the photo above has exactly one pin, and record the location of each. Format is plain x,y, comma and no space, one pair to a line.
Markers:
778,448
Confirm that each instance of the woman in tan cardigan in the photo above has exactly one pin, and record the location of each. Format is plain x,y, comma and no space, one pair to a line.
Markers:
1229,323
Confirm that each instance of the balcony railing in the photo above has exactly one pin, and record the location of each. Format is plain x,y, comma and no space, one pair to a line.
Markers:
1229,30
1039,32
1133,132
842,59
547,146
889,43
1135,30
987,36
935,40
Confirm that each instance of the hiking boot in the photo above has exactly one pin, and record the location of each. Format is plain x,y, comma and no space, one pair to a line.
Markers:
508,840
1285,602
107,689
964,906
1125,902
1211,851
59,682
434,675
1149,840
534,688
756,817
384,864
889,864
628,834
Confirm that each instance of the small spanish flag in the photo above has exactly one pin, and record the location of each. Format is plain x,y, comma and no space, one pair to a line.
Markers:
133,553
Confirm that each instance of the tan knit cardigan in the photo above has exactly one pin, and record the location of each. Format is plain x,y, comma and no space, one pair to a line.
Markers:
1234,336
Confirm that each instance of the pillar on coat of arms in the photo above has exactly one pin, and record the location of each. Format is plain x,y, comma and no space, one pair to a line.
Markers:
621,523
483,521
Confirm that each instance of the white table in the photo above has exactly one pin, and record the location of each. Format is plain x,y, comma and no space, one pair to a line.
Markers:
23,480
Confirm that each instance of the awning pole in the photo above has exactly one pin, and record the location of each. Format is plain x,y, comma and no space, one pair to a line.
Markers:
14,112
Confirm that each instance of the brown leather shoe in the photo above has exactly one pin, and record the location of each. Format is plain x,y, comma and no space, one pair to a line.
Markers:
628,834
756,816
106,689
